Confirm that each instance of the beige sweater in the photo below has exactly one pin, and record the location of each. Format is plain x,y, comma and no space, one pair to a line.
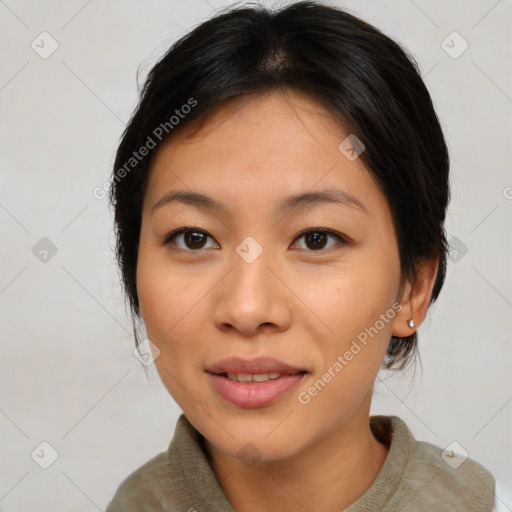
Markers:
414,478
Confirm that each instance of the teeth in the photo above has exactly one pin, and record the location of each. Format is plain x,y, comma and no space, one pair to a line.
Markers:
261,377
249,377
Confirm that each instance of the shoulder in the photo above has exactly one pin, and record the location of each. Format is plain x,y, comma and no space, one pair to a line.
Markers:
173,479
146,488
451,469
444,479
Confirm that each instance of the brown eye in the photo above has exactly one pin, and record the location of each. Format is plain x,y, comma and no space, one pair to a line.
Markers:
316,239
192,240
188,239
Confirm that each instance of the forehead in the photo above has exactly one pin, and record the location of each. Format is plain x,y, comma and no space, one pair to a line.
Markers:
259,148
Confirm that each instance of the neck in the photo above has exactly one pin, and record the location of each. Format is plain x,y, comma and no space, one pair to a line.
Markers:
328,475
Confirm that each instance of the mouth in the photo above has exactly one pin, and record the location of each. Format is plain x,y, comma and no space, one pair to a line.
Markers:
254,383
256,377
256,366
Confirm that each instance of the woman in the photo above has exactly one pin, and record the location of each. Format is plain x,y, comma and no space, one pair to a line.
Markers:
280,195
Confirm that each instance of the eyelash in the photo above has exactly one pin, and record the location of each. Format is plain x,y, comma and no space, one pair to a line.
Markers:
174,234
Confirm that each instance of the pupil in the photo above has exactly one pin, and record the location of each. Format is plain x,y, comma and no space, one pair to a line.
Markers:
317,238
194,238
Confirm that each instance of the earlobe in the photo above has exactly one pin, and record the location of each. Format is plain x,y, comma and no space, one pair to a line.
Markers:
415,299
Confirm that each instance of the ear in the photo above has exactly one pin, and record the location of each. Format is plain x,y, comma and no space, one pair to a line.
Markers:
415,298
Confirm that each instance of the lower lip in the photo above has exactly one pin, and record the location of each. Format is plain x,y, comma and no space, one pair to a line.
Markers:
254,394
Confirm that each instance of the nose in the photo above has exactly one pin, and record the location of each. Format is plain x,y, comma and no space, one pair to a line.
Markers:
253,298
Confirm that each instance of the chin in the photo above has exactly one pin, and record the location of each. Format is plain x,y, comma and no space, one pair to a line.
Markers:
238,439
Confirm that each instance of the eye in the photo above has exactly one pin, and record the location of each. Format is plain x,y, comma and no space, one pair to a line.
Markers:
315,239
194,239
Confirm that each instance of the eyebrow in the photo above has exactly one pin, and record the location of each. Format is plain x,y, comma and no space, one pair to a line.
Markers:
301,200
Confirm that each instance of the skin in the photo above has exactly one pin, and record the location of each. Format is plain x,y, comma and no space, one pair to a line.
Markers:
294,303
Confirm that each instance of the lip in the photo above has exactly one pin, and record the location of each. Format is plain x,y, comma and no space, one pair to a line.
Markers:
254,394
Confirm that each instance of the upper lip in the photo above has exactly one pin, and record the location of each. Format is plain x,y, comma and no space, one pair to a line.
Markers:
252,366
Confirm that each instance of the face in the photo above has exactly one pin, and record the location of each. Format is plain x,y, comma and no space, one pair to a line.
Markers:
247,273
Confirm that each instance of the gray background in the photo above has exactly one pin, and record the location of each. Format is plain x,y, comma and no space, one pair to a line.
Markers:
68,374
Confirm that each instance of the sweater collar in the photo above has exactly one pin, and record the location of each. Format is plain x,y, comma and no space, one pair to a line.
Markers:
188,456
394,433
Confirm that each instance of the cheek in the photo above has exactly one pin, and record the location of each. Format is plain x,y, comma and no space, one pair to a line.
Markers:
156,301
361,294
359,309
161,295
171,310
162,289
173,307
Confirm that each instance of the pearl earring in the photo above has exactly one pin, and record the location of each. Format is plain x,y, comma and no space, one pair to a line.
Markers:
411,323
